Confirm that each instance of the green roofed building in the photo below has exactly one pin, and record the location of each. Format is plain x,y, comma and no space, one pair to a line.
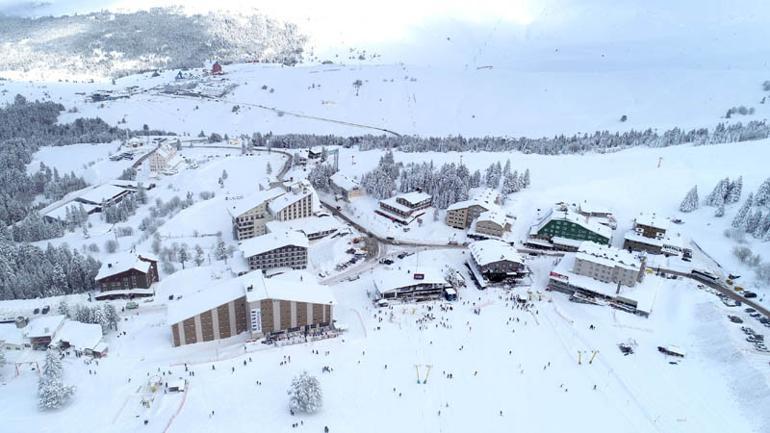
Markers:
564,223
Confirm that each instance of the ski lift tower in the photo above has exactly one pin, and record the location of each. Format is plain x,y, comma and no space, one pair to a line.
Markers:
336,153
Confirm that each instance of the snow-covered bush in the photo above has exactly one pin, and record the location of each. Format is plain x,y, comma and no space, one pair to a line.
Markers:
305,394
111,246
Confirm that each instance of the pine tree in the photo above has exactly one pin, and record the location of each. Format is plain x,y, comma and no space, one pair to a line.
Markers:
111,315
183,255
762,197
690,202
305,394
735,190
220,252
199,255
743,212
475,180
52,391
63,308
525,179
141,194
269,168
753,221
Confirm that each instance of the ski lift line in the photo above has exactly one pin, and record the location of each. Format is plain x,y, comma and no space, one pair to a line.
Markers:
616,378
289,113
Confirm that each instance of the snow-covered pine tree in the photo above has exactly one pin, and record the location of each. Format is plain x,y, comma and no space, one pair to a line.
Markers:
743,212
753,221
734,191
762,197
269,168
690,202
98,317
305,394
718,194
63,308
183,255
525,179
200,257
475,180
111,315
51,390
762,227
507,167
220,251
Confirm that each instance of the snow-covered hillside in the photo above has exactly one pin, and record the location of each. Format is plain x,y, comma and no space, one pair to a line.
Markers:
425,100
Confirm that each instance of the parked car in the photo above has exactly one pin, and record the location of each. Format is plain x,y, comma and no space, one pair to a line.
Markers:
749,295
735,319
36,311
750,310
46,309
132,305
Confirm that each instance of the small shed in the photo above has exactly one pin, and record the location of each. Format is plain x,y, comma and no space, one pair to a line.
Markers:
216,69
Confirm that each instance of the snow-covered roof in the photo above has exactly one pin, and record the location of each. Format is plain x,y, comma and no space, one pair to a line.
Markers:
636,237
165,151
588,223
268,242
644,295
494,216
668,241
44,326
297,286
79,335
240,206
484,197
652,220
308,226
120,183
607,256
391,202
122,262
491,250
101,193
414,197
344,182
11,334
280,203
388,279
60,213
593,208
210,297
